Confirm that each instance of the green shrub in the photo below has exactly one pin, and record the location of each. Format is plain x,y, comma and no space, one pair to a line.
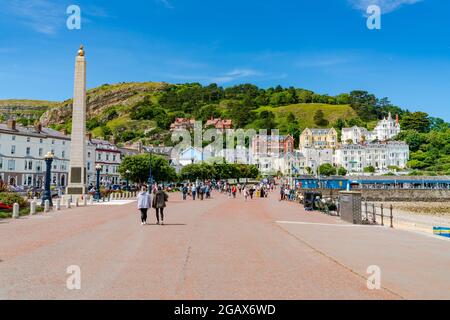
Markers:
9,198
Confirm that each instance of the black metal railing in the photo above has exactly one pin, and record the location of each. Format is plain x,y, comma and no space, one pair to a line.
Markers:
370,212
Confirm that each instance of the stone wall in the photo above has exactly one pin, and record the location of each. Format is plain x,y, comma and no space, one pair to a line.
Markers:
396,195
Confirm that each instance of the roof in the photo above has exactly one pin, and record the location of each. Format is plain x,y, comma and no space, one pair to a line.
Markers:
399,179
33,132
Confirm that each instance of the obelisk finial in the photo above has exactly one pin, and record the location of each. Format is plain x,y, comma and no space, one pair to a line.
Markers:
81,51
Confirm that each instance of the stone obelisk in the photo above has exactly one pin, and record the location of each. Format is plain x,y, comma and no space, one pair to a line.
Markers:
77,170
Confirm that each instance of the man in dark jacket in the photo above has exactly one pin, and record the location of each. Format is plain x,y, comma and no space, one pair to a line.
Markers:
159,203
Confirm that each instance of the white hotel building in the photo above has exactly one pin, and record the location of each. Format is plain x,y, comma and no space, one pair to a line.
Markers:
380,155
386,129
22,152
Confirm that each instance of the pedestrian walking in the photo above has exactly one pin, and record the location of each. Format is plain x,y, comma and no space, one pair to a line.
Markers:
159,203
246,193
208,192
251,191
233,191
144,201
194,191
184,190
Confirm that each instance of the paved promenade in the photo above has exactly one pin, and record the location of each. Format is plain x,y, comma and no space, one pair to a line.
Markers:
216,249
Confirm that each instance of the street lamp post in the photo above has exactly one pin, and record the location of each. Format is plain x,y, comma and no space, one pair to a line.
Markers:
128,179
150,177
48,177
97,195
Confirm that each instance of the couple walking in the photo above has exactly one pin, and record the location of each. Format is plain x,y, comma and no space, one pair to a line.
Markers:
157,200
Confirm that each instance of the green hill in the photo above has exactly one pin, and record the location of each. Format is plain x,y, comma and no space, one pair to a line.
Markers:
304,113
144,110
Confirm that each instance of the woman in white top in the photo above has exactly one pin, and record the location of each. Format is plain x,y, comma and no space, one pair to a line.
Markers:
144,201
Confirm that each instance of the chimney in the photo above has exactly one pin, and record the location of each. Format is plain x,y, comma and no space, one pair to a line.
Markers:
89,136
38,127
396,119
11,124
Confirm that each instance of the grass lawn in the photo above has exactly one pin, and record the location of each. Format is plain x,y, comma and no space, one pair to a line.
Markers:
304,113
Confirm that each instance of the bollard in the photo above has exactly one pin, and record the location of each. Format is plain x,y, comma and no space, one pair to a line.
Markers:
58,204
85,200
16,209
391,217
382,215
367,214
32,208
47,206
68,203
77,203
91,200
374,213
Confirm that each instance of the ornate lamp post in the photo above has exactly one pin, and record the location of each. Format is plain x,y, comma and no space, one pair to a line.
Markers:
150,177
128,179
48,178
97,195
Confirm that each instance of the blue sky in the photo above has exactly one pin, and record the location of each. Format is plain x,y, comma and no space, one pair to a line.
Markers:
322,45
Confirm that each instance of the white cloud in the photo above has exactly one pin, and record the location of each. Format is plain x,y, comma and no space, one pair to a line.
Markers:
41,15
385,5
166,3
226,77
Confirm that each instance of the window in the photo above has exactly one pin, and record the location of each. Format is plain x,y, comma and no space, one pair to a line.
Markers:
99,156
28,139
107,157
1,163
11,165
28,151
40,152
13,138
53,141
63,154
89,155
13,149
40,140
30,165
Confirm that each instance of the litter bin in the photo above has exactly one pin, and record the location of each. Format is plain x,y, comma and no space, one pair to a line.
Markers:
350,206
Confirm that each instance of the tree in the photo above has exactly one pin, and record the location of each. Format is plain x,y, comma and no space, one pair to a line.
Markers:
200,171
364,104
267,120
342,171
291,117
418,121
327,169
369,169
319,118
139,167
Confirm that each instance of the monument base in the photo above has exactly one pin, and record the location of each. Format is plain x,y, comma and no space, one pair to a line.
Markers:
78,191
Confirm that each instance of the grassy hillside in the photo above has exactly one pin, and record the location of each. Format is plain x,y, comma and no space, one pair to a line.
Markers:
25,111
304,113
24,103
